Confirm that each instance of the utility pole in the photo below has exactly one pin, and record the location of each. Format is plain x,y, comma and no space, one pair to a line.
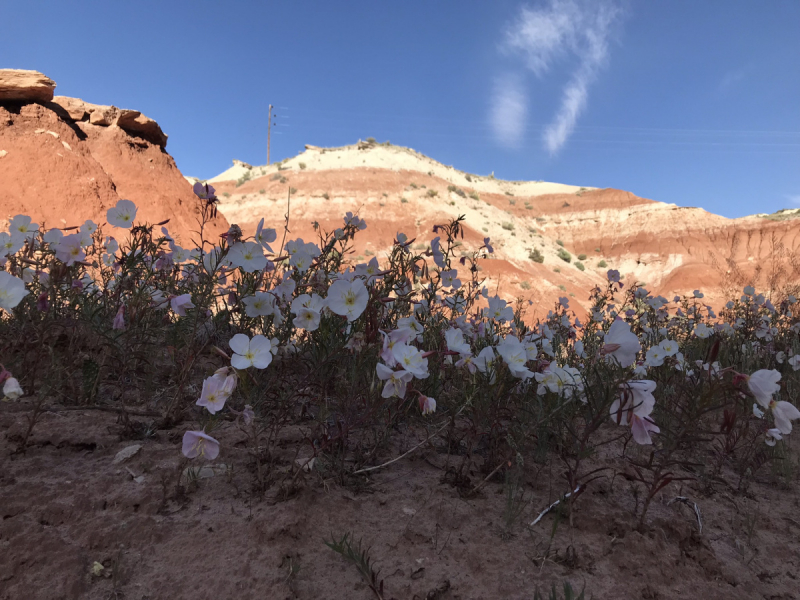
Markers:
269,127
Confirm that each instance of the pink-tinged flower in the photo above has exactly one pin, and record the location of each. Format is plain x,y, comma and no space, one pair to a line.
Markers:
764,384
256,352
633,406
69,249
181,303
122,215
398,336
12,290
621,343
199,443
427,404
396,381
119,319
216,390
204,191
468,361
11,389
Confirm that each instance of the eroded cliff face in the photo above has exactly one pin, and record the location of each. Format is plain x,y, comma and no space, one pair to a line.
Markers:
673,250
65,161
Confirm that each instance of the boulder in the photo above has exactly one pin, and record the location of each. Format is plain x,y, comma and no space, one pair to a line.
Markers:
136,123
75,107
17,85
130,121
102,115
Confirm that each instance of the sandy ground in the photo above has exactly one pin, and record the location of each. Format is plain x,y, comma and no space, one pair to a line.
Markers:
66,505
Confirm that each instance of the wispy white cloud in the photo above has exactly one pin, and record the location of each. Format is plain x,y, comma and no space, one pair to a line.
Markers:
557,31
733,78
794,199
509,111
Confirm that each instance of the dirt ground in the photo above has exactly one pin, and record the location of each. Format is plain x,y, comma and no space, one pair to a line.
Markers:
66,505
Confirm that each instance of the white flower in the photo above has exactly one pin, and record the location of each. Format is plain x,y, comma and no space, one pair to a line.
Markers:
216,390
265,236
256,352
398,336
772,437
306,319
410,359
485,359
621,343
12,389
10,244
498,310
12,290
669,348
763,384
248,256
21,226
348,298
559,380
69,249
450,279
122,215
454,338
780,357
213,260
655,357
261,304
88,228
396,381
438,256
703,331
794,362
514,355
180,303
532,350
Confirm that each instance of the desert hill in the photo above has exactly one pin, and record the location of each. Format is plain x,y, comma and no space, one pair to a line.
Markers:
673,250
63,160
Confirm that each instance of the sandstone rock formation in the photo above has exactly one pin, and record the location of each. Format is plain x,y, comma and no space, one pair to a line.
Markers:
66,160
673,250
17,85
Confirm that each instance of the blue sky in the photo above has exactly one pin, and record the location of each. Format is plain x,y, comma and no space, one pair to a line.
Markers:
695,103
